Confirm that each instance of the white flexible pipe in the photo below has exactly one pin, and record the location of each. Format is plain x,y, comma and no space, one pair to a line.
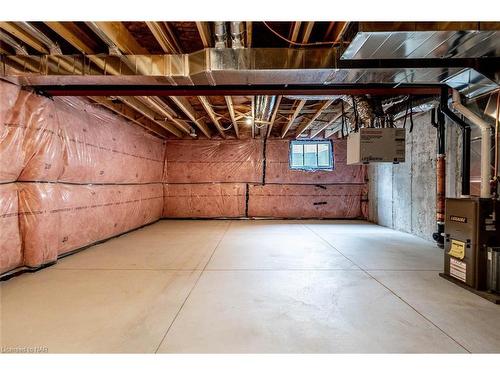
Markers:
485,143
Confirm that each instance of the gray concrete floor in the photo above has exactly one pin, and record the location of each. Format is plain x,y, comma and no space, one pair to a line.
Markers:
249,286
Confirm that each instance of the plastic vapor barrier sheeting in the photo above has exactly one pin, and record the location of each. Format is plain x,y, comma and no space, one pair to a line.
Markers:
305,201
212,161
71,174
204,200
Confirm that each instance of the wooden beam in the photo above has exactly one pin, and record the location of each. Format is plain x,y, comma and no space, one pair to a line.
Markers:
307,32
205,33
315,132
249,29
130,114
230,107
73,35
273,117
208,108
22,35
287,126
295,32
149,113
160,107
186,107
164,37
122,38
303,127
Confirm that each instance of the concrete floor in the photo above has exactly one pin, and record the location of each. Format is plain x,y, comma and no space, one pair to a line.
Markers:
249,286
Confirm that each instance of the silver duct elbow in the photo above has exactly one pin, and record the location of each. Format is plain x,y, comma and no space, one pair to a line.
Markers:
237,35
220,35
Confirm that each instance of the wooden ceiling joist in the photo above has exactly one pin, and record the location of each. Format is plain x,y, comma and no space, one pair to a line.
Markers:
316,132
208,108
230,108
287,126
205,33
164,37
186,107
130,114
149,113
306,125
23,36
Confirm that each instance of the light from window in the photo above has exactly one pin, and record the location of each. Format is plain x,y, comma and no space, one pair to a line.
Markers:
311,155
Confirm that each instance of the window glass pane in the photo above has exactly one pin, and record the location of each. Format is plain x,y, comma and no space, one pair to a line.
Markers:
324,154
297,155
310,155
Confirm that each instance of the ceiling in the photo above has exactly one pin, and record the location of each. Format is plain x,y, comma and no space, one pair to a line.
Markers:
100,51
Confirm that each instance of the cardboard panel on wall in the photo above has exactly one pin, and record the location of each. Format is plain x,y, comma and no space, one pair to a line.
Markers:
306,201
10,240
204,200
278,168
208,161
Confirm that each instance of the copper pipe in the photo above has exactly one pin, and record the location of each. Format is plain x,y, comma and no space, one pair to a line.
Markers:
496,144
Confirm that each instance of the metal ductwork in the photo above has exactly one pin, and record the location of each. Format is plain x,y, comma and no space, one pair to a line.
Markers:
264,106
486,130
237,34
53,47
220,34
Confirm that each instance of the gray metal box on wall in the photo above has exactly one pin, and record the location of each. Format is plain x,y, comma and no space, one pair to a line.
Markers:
376,145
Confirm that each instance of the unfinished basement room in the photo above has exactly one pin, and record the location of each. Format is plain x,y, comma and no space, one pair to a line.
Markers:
249,186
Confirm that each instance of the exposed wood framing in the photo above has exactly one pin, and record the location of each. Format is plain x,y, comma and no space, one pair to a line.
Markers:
186,107
208,108
315,132
295,32
307,32
306,125
273,116
149,113
296,112
205,33
130,114
249,32
22,35
72,35
164,36
230,107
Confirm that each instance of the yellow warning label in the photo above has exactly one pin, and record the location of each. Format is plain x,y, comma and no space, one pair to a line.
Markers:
457,249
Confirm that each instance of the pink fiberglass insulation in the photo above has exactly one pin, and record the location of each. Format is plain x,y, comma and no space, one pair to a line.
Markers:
10,240
30,148
204,200
278,169
39,222
208,161
58,218
102,148
306,201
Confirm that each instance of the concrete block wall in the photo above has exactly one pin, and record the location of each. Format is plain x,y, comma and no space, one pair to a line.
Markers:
402,196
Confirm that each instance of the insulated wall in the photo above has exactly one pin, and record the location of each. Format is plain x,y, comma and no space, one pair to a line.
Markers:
71,174
252,178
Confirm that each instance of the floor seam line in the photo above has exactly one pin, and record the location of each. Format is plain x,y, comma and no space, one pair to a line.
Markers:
392,292
192,288
419,313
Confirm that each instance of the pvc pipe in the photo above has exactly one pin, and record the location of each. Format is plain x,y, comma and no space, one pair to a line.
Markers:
485,143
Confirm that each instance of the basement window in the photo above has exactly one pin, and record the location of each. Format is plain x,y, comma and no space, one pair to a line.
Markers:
311,155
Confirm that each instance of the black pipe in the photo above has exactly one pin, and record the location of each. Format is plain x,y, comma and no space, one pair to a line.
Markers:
465,141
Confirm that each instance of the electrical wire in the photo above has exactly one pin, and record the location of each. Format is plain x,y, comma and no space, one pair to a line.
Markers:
300,44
